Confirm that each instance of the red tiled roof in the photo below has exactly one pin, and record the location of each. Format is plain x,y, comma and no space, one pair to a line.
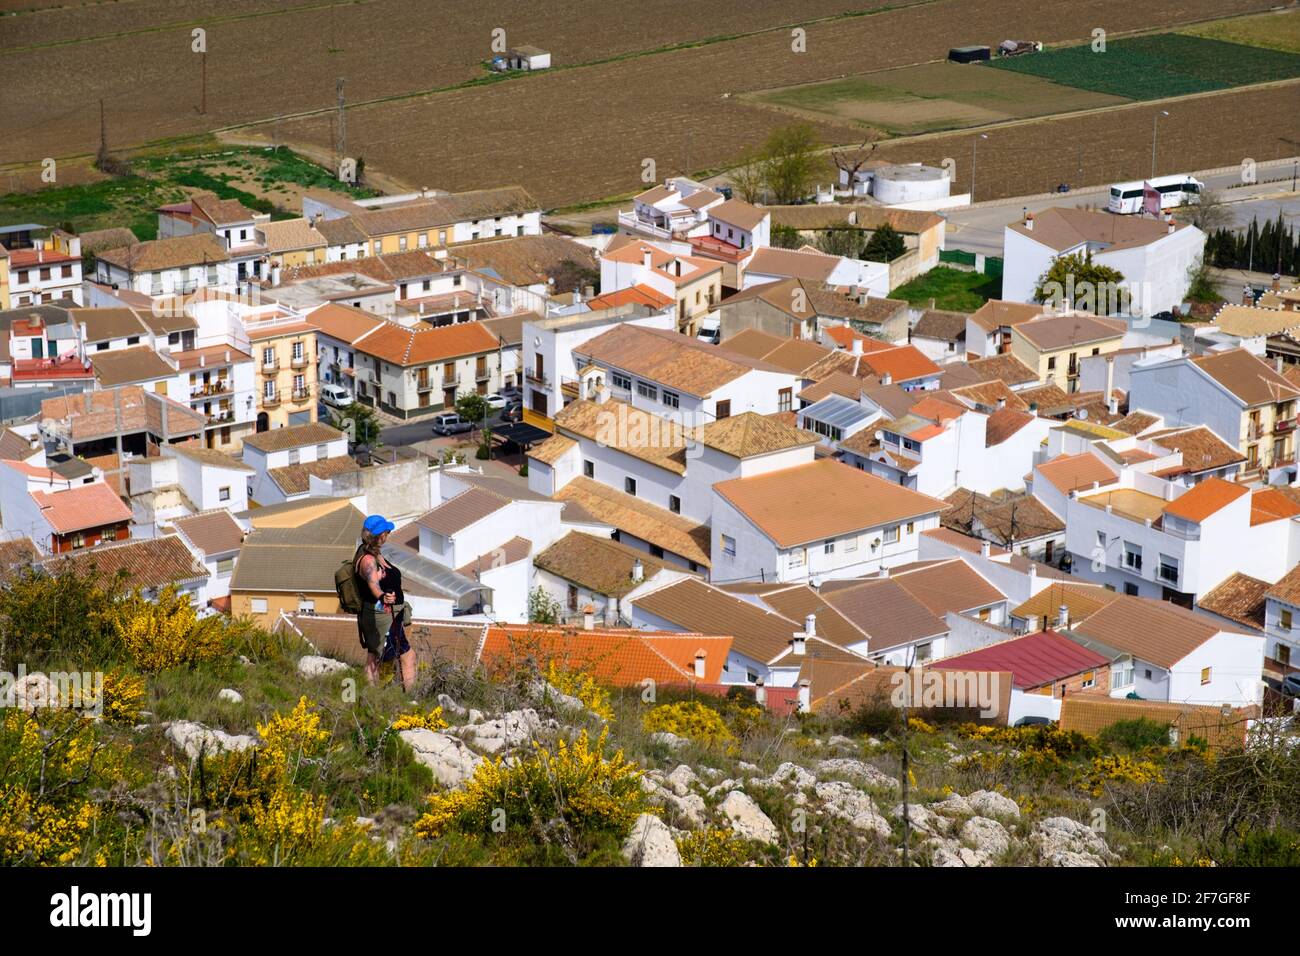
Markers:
1204,499
1034,660
902,363
81,507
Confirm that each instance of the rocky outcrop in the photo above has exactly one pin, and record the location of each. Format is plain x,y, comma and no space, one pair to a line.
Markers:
747,819
230,696
859,771
193,738
846,802
512,729
315,666
1060,841
650,843
451,761
988,803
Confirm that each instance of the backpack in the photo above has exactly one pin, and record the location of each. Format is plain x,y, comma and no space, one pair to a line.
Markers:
348,586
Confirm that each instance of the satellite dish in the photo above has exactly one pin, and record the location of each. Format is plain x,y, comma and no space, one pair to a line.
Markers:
1081,414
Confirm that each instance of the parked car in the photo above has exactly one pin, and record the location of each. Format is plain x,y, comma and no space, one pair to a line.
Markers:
496,402
514,412
1290,686
450,424
1032,721
335,396
513,392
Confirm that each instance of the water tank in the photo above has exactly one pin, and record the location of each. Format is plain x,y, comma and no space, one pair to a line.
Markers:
900,184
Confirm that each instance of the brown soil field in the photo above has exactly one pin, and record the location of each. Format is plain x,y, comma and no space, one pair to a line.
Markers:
1200,132
268,59
581,135
932,96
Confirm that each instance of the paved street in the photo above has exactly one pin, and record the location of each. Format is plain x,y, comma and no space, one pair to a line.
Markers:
979,228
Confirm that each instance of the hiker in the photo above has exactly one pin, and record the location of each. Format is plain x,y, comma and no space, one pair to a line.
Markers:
383,615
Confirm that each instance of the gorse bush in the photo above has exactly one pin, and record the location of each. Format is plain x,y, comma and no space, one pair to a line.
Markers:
690,719
712,846
432,720
582,685
1135,735
164,633
124,695
573,783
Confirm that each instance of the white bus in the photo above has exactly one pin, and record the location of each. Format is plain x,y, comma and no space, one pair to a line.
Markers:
1174,191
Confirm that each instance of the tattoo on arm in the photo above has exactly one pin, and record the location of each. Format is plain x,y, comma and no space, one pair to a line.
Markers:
371,572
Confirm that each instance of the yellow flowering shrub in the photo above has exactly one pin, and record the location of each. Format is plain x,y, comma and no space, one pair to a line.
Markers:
712,846
283,826
123,697
691,719
794,861
433,720
288,737
575,782
1120,769
580,684
921,726
164,633
35,831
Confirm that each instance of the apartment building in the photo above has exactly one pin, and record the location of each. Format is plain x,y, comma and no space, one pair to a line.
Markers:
409,372
1053,345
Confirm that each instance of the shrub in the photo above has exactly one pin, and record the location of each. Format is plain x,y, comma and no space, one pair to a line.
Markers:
575,783
123,697
164,633
581,685
1120,770
1280,847
712,846
54,614
1135,735
691,719
433,720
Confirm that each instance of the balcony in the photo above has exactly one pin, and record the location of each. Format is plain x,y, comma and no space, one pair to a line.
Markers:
537,377
300,394
298,362
423,385
450,381
210,389
271,367
629,219
270,401
1283,425
482,374
221,418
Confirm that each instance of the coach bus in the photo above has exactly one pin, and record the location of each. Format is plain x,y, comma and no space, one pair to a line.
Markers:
1174,191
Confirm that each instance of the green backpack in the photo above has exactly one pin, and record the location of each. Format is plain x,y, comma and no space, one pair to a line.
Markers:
347,585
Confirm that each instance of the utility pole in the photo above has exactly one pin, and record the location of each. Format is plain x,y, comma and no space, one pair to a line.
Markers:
342,122
974,143
1155,122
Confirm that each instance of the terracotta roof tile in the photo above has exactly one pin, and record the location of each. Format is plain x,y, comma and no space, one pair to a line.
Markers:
759,634
639,518
81,507
150,563
211,532
1204,499
293,436
600,565
1239,598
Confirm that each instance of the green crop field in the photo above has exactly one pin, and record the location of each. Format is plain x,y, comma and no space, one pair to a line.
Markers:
1151,67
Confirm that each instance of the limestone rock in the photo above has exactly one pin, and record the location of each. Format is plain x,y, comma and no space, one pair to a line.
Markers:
449,706
859,771
846,802
988,803
670,740
315,666
512,729
451,761
790,776
230,695
650,843
1060,841
921,819
682,779
988,838
953,805
747,818
193,738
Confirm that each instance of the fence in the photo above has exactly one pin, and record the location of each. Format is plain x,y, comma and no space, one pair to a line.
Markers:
965,261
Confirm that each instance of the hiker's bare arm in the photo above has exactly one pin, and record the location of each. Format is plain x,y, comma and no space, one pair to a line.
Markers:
370,572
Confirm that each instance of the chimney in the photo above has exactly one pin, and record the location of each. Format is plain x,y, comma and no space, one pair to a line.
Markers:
856,347
805,696
1033,576
699,664
1277,282
645,258
1247,297
1029,221
577,297
1277,363
1002,403
588,618
588,291
1063,620
760,693
810,625
986,549
887,379
638,571
798,644
1112,403
1171,226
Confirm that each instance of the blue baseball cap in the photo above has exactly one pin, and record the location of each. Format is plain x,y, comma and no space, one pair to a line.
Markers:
378,524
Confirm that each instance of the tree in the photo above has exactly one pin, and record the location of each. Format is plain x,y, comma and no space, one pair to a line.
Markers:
1200,287
1084,284
360,422
842,242
885,245
1209,214
748,179
570,275
542,608
472,408
850,161
786,237
788,161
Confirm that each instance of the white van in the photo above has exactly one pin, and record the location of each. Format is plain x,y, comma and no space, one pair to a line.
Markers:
710,331
335,395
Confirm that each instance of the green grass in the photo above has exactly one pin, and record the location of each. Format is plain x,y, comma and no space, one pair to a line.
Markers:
951,289
156,180
1151,67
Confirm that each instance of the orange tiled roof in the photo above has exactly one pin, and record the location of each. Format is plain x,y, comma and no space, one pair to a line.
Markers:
1204,499
622,657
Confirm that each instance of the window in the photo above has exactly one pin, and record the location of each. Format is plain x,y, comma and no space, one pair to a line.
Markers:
1284,619
212,275
1131,589
797,558
225,567
322,451
629,486
911,526
724,410
784,400
1089,680
1051,363
573,597
1168,569
223,494
422,242
259,605
671,399
297,351
829,546
401,243
675,504
133,340
983,614
1122,674
851,544
656,551
922,652
646,390
1147,673
729,546
1101,539
827,431
294,456
1133,557
588,468
306,606
621,381
268,391
268,357
1205,675
891,534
